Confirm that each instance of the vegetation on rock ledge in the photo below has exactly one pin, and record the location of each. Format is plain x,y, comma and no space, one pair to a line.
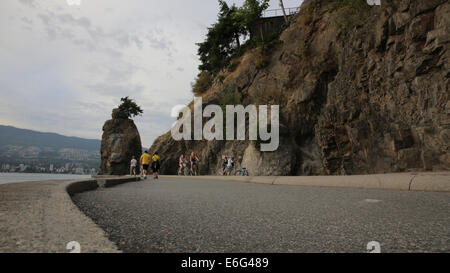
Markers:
350,13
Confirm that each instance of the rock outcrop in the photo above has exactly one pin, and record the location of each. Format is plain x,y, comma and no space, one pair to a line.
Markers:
120,142
367,93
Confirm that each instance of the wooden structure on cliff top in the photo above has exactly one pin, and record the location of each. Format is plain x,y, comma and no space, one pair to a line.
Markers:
271,22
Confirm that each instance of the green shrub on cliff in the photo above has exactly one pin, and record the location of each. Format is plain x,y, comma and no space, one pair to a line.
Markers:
233,65
349,13
262,59
202,83
230,96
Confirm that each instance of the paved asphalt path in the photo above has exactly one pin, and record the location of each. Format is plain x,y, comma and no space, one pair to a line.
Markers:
187,215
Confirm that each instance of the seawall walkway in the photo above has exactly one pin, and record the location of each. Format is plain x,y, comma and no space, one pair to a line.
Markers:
41,217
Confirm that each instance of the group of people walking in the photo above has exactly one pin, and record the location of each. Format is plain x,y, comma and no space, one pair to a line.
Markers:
186,165
146,161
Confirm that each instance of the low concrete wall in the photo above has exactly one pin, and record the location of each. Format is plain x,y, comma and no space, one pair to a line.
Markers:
391,182
93,184
439,181
431,182
81,186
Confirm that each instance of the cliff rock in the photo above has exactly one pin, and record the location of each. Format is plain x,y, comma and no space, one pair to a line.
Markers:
358,94
120,142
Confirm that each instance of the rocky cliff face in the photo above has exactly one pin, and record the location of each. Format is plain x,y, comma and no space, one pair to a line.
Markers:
367,93
120,142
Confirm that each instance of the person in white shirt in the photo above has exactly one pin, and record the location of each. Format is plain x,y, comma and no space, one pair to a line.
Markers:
229,166
133,165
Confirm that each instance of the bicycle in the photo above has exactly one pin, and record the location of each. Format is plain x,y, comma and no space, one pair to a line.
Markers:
194,171
185,170
242,172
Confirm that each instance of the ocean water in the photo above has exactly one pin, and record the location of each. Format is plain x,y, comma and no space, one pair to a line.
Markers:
25,177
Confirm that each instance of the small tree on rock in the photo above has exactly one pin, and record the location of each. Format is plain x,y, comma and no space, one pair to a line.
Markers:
127,109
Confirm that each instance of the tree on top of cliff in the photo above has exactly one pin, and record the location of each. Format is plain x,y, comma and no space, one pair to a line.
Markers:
128,108
222,39
250,12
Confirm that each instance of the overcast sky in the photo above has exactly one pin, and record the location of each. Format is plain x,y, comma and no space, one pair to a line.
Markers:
63,68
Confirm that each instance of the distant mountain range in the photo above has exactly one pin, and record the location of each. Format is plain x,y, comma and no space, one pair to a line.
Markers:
21,137
25,146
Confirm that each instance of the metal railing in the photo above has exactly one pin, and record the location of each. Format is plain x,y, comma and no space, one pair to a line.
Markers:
279,12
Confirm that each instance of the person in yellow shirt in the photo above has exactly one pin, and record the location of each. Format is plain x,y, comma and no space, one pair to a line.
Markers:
156,165
145,163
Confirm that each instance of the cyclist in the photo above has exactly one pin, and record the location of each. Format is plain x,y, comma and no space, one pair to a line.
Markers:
181,163
224,165
194,161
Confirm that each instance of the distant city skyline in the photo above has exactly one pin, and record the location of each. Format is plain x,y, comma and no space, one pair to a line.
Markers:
63,68
62,168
